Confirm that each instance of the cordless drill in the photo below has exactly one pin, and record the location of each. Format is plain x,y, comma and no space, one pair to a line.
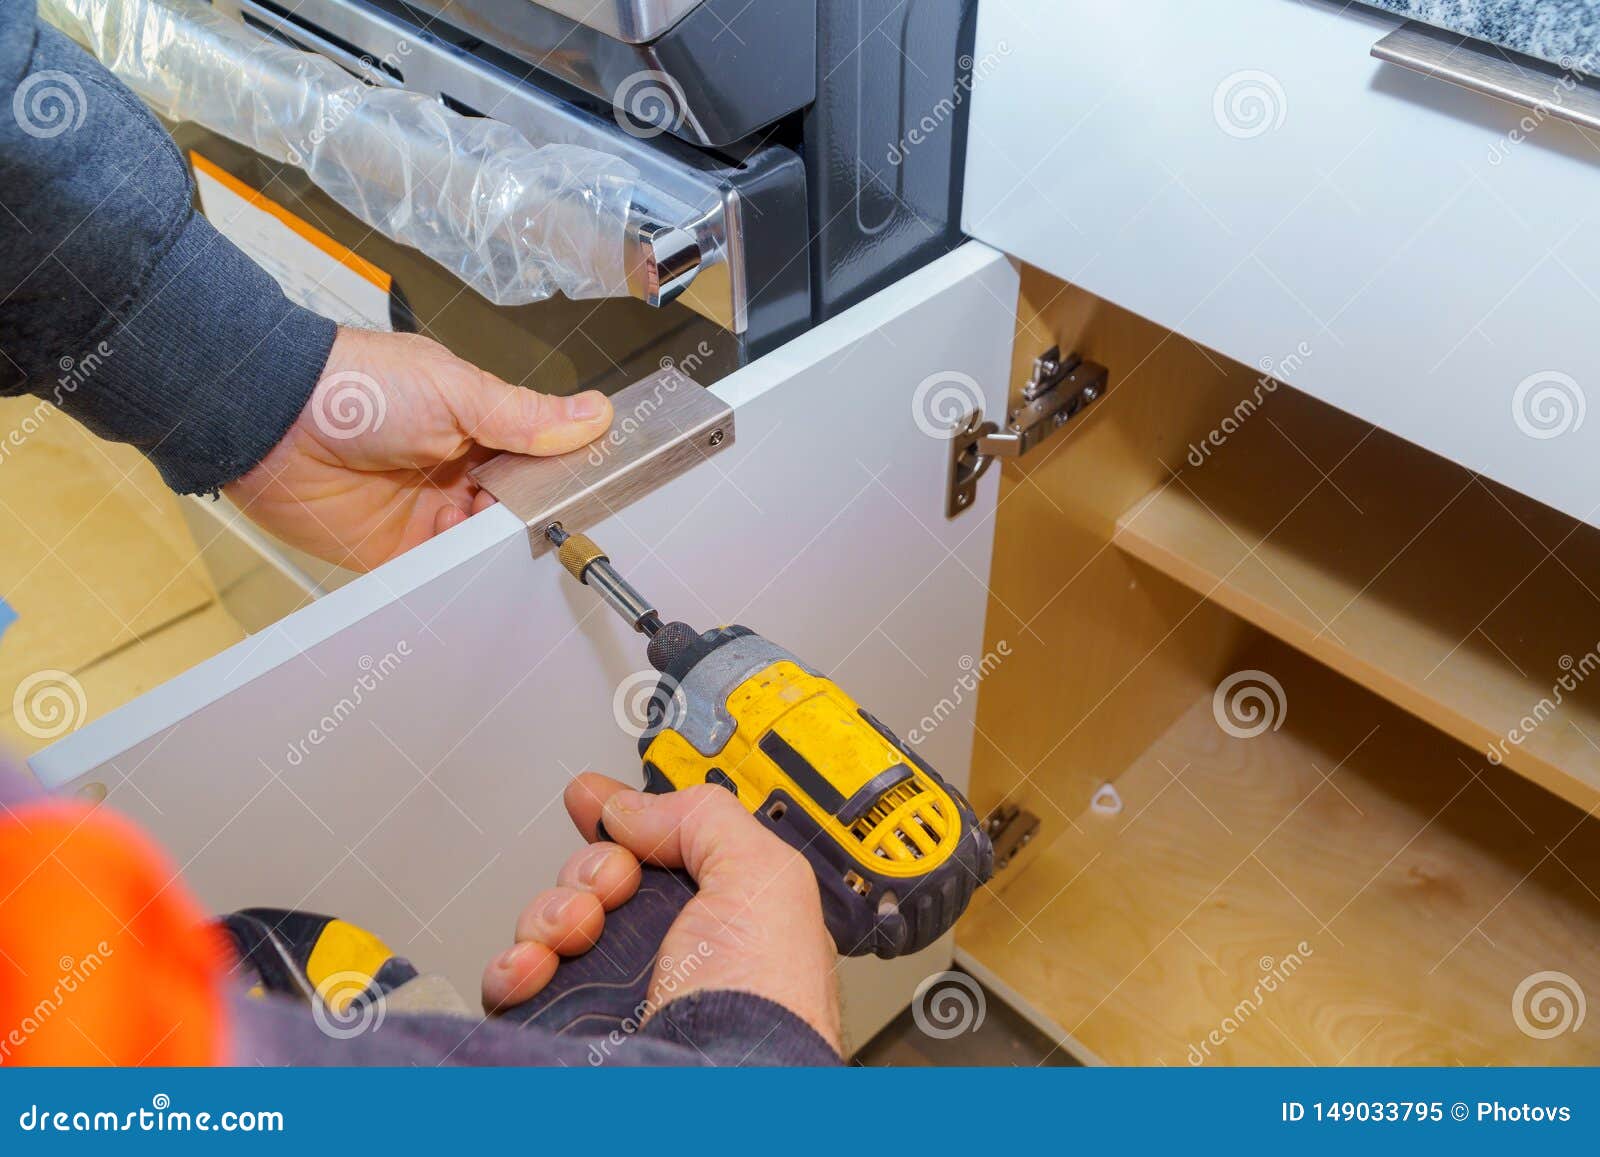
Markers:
897,851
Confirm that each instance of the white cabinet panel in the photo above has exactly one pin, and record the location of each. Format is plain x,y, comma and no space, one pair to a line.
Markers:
426,804
1249,176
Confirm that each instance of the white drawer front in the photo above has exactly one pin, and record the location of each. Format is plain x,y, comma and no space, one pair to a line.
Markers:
1247,175
396,752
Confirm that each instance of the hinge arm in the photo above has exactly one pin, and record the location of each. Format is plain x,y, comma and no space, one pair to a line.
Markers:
1000,444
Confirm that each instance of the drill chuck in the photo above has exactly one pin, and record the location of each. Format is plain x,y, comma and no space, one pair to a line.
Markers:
672,640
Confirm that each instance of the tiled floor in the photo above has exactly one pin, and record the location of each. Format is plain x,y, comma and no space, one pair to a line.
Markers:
1001,1037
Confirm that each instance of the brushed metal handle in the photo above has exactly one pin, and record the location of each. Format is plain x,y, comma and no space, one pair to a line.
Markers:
1545,88
663,425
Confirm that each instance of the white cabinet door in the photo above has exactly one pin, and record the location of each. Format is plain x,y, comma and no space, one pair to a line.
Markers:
395,753
1246,174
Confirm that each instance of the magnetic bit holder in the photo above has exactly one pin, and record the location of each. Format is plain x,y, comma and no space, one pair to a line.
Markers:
661,426
586,562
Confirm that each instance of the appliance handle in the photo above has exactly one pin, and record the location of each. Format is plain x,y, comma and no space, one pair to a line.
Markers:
1547,89
630,21
516,221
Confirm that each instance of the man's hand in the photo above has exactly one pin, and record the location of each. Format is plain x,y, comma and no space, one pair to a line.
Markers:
758,912
377,461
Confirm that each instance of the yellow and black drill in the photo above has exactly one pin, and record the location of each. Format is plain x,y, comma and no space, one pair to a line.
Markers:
897,851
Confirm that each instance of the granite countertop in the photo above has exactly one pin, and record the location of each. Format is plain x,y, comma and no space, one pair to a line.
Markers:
1564,32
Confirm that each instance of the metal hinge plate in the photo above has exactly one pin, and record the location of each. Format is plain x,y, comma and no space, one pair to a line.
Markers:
1056,392
1009,829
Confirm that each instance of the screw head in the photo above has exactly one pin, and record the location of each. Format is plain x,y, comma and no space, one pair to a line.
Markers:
1090,393
716,437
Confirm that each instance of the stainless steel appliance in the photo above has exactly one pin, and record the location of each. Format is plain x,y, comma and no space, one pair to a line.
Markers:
794,156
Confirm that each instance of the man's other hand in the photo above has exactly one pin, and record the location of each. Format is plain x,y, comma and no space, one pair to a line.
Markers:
755,925
377,461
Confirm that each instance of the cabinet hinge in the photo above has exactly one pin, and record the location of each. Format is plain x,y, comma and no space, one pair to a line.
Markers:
1057,390
1009,829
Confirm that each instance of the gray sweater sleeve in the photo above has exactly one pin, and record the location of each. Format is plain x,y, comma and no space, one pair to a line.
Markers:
725,1029
120,303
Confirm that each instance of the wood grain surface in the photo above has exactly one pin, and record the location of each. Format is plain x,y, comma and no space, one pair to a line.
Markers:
1467,604
1352,888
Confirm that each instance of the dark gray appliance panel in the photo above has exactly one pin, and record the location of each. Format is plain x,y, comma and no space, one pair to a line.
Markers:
885,142
726,70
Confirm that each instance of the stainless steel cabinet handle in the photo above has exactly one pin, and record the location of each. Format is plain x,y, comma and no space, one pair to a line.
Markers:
1544,88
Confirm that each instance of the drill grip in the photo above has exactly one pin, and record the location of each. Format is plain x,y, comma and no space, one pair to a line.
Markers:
607,988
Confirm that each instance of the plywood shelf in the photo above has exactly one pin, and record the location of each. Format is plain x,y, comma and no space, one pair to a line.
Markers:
1464,603
1394,889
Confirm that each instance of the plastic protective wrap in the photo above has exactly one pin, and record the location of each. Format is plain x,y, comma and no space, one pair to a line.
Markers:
514,221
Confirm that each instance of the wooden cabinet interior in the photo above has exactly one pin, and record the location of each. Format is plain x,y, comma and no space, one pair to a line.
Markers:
1357,882
1461,601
